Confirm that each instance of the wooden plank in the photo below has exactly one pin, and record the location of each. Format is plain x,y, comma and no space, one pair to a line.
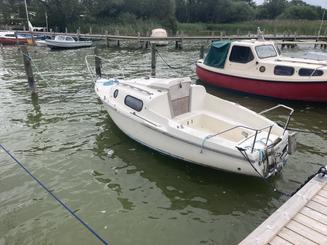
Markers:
320,199
323,193
294,237
313,224
279,241
317,207
269,228
314,215
307,232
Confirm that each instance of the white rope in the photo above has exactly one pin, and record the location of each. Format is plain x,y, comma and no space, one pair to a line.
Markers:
92,71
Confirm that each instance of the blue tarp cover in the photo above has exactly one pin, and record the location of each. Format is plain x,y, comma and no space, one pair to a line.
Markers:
217,54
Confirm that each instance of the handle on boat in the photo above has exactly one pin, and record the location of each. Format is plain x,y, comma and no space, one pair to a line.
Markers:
240,126
278,106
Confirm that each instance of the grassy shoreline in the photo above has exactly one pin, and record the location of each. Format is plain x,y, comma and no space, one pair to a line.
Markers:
133,27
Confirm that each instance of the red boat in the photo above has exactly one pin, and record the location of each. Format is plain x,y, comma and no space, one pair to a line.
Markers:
256,67
9,38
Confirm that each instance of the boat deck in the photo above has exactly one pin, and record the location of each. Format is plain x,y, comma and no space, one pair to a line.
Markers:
301,220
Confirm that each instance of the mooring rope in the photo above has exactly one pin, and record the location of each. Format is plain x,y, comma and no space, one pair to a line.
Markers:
322,170
55,197
173,67
304,131
39,73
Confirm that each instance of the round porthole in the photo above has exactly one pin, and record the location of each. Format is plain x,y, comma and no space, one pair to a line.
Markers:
262,69
116,93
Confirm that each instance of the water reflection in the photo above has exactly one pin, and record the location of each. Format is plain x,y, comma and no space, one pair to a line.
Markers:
34,116
182,184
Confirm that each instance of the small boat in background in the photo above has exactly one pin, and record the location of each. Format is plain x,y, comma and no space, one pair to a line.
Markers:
256,67
41,40
11,38
180,119
67,42
159,33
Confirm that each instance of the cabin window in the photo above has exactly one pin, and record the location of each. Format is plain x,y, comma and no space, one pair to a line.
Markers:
265,51
284,70
134,103
241,54
306,72
115,93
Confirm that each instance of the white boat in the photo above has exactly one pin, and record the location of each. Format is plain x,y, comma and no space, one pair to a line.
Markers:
159,33
67,42
41,43
182,120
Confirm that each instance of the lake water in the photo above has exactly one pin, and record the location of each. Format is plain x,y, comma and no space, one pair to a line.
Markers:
128,193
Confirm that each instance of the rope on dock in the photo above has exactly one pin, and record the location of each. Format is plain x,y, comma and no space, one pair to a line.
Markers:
55,197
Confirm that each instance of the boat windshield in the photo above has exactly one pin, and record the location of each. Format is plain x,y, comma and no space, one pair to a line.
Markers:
265,51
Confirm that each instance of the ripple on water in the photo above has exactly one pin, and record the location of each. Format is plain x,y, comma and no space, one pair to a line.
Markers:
64,137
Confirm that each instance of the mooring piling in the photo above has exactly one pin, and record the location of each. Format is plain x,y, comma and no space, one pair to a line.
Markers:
201,52
97,61
153,59
28,69
107,39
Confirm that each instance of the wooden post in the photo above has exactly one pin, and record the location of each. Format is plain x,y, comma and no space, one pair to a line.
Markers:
90,31
97,61
201,52
28,70
118,41
66,30
107,39
153,59
78,33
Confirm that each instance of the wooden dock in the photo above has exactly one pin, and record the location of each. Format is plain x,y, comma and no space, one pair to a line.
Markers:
301,220
182,37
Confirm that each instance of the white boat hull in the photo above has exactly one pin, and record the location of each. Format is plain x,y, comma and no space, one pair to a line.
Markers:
177,148
68,45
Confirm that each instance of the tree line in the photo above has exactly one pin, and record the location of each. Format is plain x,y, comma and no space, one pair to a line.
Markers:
167,12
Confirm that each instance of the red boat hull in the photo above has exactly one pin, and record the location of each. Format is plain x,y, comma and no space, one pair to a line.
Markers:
301,91
12,41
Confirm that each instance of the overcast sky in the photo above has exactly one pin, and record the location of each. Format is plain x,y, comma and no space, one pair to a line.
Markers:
322,3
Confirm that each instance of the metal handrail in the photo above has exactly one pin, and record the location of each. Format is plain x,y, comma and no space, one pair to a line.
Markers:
284,106
239,126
